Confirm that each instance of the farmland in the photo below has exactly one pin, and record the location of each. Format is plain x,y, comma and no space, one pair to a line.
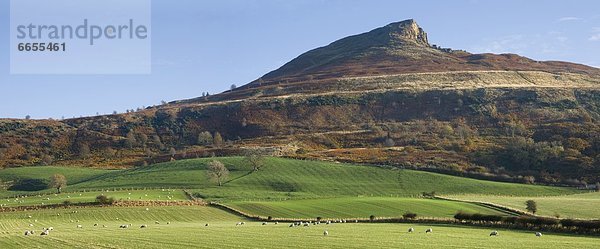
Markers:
187,229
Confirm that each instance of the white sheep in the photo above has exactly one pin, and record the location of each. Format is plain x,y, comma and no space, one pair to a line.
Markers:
494,233
27,233
410,230
429,230
143,226
51,228
156,222
264,223
79,226
45,232
538,234
325,233
206,225
238,224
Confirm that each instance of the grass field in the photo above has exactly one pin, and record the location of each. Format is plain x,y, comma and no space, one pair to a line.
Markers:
187,230
583,206
306,188
282,178
90,196
353,207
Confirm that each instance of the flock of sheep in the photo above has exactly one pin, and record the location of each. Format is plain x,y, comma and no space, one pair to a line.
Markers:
46,231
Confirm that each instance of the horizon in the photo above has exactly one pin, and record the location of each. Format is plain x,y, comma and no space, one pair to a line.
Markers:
186,63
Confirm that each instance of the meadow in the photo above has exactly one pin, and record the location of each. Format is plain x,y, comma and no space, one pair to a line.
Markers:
361,208
186,229
283,188
582,206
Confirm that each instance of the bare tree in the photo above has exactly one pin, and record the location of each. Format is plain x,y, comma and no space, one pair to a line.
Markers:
217,172
58,182
256,159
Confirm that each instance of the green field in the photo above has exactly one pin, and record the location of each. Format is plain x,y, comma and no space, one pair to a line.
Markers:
90,196
187,230
284,188
584,206
363,207
307,188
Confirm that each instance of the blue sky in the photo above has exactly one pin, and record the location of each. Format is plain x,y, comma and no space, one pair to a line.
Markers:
201,45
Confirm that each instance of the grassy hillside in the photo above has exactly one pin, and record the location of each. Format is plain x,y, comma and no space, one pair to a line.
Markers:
284,179
187,230
359,207
584,206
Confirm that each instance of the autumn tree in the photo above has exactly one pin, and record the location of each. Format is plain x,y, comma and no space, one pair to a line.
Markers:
58,182
217,172
131,141
84,150
217,139
204,138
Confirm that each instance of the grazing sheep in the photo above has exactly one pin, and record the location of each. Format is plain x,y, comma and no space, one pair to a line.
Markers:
79,226
96,224
104,226
143,226
124,226
238,224
27,233
29,216
30,225
147,209
429,230
206,225
45,232
494,233
292,225
264,223
276,222
156,222
410,230
328,222
538,234
306,224
168,222
243,223
51,228
325,233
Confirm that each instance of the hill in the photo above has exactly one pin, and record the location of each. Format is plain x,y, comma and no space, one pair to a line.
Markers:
383,97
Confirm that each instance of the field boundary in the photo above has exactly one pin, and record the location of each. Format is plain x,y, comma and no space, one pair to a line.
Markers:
95,204
504,209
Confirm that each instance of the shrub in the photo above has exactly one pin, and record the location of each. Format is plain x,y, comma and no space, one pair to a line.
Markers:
409,215
67,203
104,200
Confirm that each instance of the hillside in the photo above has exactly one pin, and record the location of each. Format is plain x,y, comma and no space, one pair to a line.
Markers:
279,179
383,97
